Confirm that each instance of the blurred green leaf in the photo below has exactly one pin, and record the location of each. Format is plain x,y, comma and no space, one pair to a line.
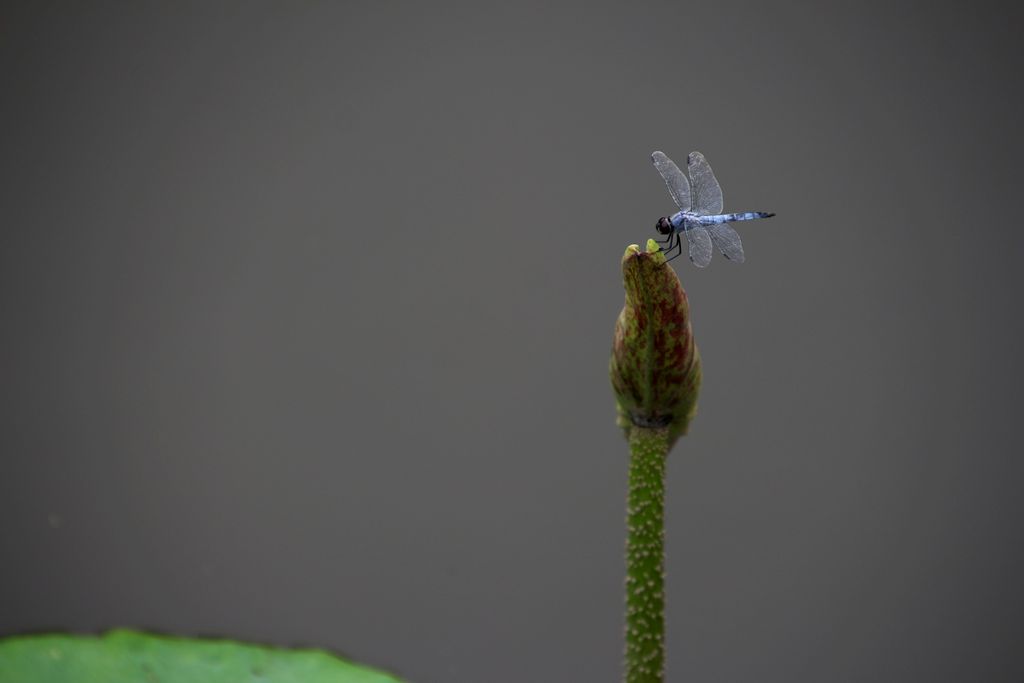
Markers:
131,657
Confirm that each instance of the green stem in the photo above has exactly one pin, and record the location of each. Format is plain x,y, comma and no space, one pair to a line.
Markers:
645,556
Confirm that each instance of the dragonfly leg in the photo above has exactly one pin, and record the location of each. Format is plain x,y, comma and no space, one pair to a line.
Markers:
668,242
680,245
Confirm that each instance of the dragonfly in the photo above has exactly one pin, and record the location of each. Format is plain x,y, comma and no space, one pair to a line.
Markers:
700,216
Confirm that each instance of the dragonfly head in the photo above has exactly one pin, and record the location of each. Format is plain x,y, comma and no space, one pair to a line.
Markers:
663,226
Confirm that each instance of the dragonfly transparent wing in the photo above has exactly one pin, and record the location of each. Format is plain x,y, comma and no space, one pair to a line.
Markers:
707,193
727,241
678,185
700,245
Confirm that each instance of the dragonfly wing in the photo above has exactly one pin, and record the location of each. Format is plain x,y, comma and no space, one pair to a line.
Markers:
678,185
700,245
727,240
707,193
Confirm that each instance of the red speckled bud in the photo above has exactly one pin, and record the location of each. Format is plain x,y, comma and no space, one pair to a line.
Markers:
655,366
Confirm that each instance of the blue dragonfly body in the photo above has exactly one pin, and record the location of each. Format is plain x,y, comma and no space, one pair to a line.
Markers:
700,216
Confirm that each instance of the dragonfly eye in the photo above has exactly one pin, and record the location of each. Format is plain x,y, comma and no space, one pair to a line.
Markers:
663,226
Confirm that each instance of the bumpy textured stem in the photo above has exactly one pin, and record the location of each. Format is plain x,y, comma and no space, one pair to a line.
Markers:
645,556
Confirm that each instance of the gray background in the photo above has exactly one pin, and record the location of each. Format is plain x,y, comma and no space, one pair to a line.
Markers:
306,312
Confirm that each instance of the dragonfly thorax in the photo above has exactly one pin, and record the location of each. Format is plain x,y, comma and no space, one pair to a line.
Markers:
682,220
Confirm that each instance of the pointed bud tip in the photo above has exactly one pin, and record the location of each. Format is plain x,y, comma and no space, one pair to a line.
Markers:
652,249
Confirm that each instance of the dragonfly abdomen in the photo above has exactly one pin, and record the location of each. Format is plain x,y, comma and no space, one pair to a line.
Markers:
732,217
